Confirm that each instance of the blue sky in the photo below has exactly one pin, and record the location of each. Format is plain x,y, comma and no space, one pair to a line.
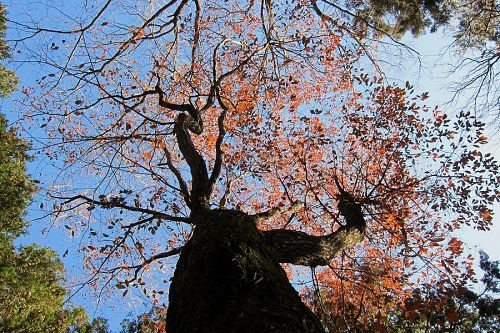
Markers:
432,76
428,77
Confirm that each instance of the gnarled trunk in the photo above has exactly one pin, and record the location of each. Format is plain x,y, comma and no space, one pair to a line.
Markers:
227,280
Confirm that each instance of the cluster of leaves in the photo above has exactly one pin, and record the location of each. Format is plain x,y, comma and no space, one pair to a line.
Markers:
31,294
397,17
473,23
150,322
478,24
8,79
17,187
97,325
432,307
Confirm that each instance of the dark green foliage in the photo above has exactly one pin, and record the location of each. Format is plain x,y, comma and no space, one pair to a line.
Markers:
472,23
8,80
397,17
491,278
16,186
478,24
31,295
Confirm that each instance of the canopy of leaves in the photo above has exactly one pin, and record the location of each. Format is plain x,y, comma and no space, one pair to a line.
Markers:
17,187
472,23
478,24
97,325
397,17
284,115
31,295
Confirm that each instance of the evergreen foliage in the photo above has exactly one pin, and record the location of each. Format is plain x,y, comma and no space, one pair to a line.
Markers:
31,295
472,23
8,79
17,187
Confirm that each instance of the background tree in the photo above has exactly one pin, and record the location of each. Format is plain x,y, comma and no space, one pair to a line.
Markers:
31,294
240,136
432,307
150,322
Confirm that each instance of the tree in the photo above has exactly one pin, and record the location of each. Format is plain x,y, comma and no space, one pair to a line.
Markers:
241,136
17,186
436,307
31,295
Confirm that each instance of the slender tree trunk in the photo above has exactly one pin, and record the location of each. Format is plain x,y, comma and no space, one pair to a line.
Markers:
227,280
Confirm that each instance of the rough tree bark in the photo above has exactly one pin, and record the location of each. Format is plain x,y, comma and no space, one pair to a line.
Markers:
228,277
227,280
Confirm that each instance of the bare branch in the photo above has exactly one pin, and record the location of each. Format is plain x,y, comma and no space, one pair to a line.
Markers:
117,202
276,211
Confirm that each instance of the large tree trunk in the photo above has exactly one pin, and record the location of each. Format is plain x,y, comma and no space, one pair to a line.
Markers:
227,280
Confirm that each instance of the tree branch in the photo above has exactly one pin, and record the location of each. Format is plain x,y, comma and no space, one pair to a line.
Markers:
200,189
273,212
118,202
137,268
218,144
299,248
188,120
178,175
